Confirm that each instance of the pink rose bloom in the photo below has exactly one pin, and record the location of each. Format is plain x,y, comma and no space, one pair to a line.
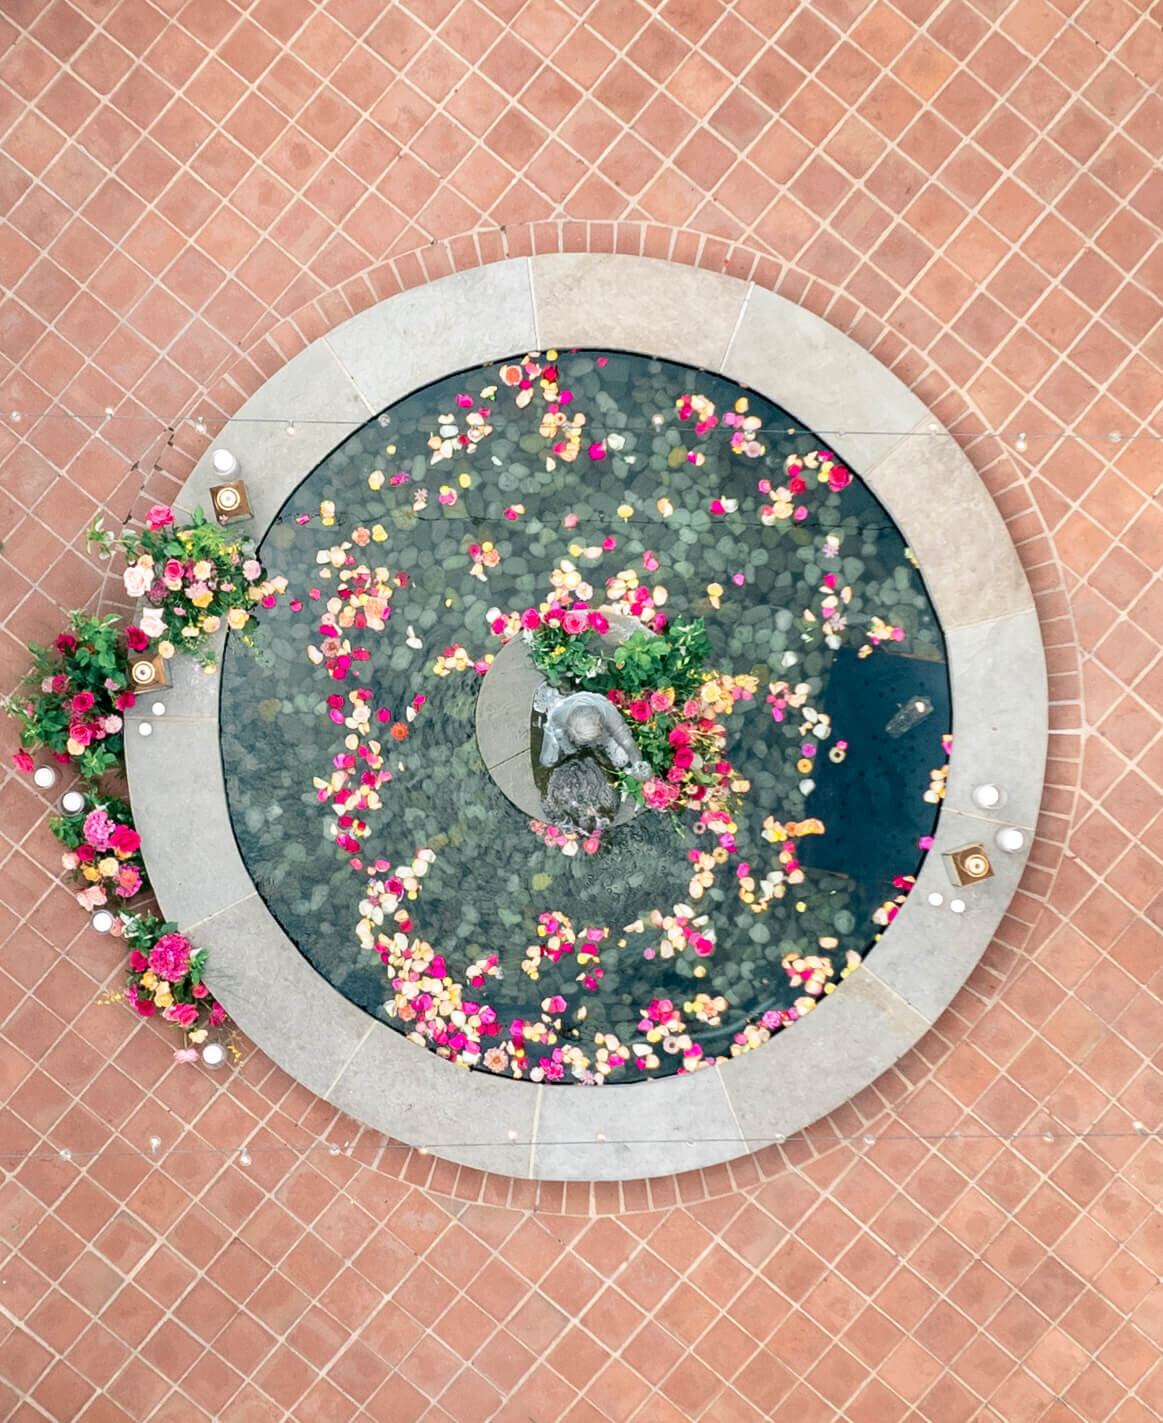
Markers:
684,757
598,622
597,450
661,701
98,829
124,840
640,710
531,619
217,1015
69,860
80,733
138,961
23,761
112,725
184,1013
251,569
82,701
186,1054
137,581
152,622
172,572
574,622
159,516
680,736
91,898
170,957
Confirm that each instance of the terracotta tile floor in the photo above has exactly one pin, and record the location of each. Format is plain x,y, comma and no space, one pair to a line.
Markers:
972,190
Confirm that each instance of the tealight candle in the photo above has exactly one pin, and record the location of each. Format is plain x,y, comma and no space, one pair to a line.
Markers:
224,463
144,728
101,921
957,906
213,1055
1010,839
72,803
935,899
158,709
988,797
44,777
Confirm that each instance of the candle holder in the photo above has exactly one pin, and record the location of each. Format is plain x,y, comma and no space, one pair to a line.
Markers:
231,502
225,465
101,921
988,796
71,803
1010,839
148,674
213,1056
969,865
45,777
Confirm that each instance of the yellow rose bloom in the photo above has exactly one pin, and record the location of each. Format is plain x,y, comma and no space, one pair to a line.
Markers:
149,979
91,873
107,866
211,623
203,568
166,649
203,600
237,618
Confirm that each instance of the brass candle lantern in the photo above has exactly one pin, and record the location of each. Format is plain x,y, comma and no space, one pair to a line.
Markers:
231,501
148,674
969,865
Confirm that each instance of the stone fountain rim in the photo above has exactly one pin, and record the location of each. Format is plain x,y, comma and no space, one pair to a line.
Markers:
998,682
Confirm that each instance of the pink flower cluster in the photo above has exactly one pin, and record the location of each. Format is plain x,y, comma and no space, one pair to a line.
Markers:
170,957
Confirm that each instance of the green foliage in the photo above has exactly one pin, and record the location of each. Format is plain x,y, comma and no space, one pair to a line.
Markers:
645,663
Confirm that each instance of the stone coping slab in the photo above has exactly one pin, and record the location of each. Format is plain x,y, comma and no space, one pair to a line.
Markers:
997,673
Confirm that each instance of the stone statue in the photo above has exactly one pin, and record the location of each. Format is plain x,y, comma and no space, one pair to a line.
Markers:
587,721
579,729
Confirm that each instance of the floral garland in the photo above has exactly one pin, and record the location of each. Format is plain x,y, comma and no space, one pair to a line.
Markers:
191,579
103,851
71,700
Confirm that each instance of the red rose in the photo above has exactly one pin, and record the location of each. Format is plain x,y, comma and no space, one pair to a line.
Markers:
138,961
85,852
82,701
124,840
66,643
136,639
124,700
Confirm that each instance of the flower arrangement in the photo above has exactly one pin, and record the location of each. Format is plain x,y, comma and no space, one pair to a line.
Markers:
658,681
71,700
165,976
103,851
191,578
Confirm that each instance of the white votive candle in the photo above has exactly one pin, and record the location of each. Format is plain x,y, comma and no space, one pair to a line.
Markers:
224,463
144,728
72,803
158,709
957,906
1010,839
214,1055
101,921
987,796
45,777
